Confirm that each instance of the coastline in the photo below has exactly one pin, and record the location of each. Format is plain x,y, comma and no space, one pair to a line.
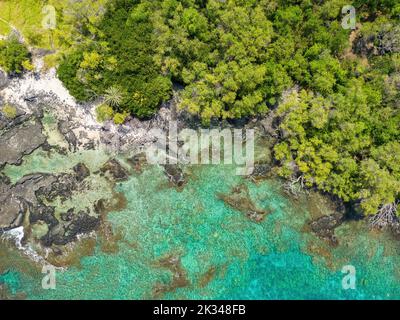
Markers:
82,134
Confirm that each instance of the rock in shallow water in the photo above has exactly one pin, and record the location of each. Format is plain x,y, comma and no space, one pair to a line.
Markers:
324,227
175,175
67,232
17,199
138,161
69,135
117,171
239,199
34,192
81,171
20,140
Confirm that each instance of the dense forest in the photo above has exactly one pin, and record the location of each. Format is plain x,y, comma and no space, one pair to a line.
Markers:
334,92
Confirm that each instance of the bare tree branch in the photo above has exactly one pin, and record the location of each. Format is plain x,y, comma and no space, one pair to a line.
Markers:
386,216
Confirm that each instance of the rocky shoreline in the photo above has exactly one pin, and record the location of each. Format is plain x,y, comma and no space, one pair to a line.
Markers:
31,202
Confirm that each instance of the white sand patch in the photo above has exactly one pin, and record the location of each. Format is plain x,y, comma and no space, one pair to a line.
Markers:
30,86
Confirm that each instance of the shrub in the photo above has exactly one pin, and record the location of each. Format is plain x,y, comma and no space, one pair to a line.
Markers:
104,112
67,72
120,65
119,118
9,111
27,65
14,56
51,61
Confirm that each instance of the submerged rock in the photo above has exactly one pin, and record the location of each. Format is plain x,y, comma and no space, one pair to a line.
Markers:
261,171
67,216
17,199
175,175
65,184
62,187
82,172
324,227
138,161
43,213
67,232
179,275
240,200
33,193
117,171
65,229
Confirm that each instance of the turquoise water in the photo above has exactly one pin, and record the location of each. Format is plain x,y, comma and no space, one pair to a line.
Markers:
219,252
12,279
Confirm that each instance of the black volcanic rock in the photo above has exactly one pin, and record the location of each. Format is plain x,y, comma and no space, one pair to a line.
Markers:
17,199
324,227
117,171
82,172
43,213
62,234
68,134
20,140
175,175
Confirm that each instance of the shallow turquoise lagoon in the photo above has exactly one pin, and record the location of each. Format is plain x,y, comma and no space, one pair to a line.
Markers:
188,244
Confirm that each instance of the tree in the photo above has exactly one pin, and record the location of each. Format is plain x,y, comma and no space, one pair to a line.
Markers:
334,92
13,56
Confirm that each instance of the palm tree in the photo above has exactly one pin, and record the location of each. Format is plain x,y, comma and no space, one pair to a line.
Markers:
113,96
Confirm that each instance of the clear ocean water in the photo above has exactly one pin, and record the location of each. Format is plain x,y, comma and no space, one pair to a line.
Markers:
188,244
